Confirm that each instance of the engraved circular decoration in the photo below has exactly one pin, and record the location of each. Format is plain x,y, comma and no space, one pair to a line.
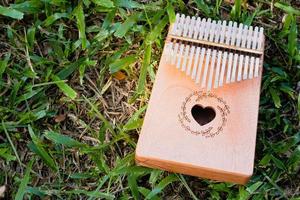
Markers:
204,113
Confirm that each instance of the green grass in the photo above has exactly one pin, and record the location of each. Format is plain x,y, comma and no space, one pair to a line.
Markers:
75,79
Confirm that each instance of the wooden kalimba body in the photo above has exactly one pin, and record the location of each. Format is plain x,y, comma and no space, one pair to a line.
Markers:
202,115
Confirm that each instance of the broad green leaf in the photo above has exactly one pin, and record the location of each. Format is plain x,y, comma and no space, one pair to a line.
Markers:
236,9
81,175
31,36
122,64
171,13
129,22
104,3
62,139
157,30
252,188
22,187
201,4
5,153
28,7
292,39
37,148
275,97
278,163
69,69
94,194
10,12
298,107
294,159
3,65
130,4
52,18
135,122
64,87
109,19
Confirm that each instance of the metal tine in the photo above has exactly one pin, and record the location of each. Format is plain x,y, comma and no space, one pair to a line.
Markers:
196,63
235,62
175,26
175,53
169,49
186,26
212,67
260,38
250,37
202,29
199,68
218,31
244,38
207,29
181,25
256,70
185,23
212,31
224,62
239,35
194,35
190,61
251,67
223,32
246,66
217,75
185,57
229,68
234,33
191,27
179,57
207,61
255,35
197,28
241,64
228,33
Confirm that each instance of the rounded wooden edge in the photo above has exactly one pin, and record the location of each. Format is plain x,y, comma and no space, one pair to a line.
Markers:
188,169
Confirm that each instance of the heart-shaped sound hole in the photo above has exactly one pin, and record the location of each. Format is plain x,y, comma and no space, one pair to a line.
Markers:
203,115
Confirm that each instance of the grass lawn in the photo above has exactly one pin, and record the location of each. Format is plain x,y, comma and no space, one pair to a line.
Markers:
75,79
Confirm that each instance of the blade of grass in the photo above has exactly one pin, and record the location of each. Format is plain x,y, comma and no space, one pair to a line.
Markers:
79,14
161,185
94,108
104,3
122,64
12,144
63,139
37,147
183,181
64,87
236,10
287,8
22,187
133,185
143,72
171,12
203,7
129,22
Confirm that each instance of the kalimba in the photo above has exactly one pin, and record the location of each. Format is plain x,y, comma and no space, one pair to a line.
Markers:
202,114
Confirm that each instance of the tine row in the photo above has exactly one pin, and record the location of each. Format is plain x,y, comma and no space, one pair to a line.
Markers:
223,32
212,68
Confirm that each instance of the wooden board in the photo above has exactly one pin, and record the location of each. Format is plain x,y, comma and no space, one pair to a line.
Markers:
172,140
